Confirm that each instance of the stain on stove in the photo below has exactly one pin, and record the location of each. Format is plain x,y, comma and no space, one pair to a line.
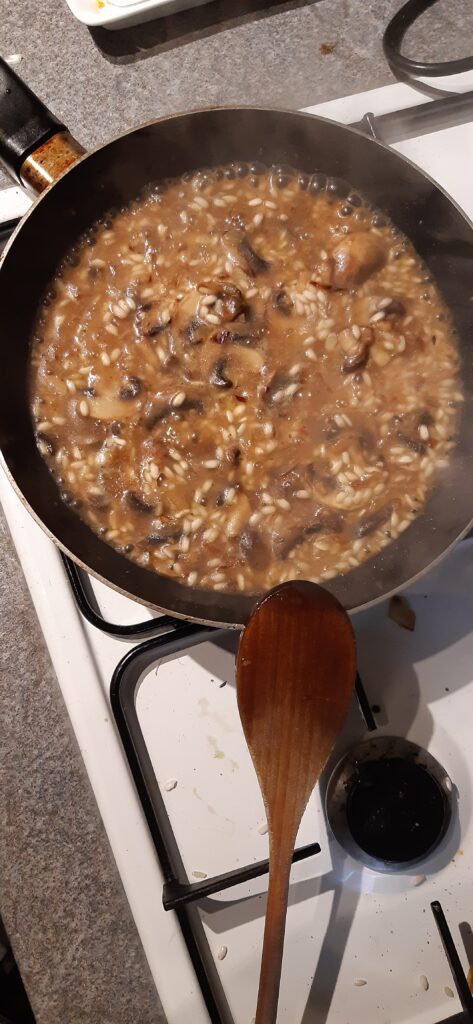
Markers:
199,874
206,712
209,807
217,753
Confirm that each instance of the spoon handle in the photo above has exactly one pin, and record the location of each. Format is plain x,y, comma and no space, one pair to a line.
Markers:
273,943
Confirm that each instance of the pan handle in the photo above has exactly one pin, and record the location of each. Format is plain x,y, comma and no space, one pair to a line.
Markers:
35,148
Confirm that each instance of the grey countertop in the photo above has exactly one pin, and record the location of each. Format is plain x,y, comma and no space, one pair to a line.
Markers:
60,895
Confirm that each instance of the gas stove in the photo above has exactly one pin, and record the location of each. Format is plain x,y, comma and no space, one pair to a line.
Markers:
378,929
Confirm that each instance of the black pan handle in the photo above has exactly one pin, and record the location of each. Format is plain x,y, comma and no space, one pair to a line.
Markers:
35,147
25,123
423,119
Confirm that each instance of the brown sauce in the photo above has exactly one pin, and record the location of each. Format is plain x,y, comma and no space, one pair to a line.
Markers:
243,378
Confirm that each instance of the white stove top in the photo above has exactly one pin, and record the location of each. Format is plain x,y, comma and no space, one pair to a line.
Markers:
359,944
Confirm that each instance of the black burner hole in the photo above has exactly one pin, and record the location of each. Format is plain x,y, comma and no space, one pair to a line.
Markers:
396,811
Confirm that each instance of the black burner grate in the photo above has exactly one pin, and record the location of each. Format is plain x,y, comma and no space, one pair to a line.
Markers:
160,637
88,606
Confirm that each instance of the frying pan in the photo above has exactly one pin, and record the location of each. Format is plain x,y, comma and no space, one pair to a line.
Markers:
38,151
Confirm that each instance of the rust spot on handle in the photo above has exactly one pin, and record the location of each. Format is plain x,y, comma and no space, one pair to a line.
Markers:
49,161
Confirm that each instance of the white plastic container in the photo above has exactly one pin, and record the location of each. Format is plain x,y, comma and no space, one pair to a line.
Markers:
115,14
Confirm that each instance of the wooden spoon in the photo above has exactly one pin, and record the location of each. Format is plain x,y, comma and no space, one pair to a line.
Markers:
295,673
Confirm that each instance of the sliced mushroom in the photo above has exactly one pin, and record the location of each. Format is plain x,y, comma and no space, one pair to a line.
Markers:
356,361
234,456
221,497
255,263
154,412
106,407
188,405
239,251
255,549
158,410
136,503
282,302
322,274
148,322
187,325
356,258
396,308
164,533
373,521
276,390
131,389
155,329
357,349
366,306
297,478
413,443
217,375
195,332
232,301
98,501
45,443
321,520
237,336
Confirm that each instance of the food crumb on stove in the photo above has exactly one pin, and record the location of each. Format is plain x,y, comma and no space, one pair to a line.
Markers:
263,828
470,978
222,952
418,879
424,982
327,48
199,874
448,991
170,784
401,613
359,982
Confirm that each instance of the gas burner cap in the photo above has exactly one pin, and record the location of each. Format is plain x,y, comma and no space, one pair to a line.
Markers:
389,803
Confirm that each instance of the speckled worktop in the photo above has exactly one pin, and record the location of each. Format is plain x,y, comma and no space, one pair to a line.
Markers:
60,895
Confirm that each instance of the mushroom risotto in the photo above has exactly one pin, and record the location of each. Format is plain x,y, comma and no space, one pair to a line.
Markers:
244,377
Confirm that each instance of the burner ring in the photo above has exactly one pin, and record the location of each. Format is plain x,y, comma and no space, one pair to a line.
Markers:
389,803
